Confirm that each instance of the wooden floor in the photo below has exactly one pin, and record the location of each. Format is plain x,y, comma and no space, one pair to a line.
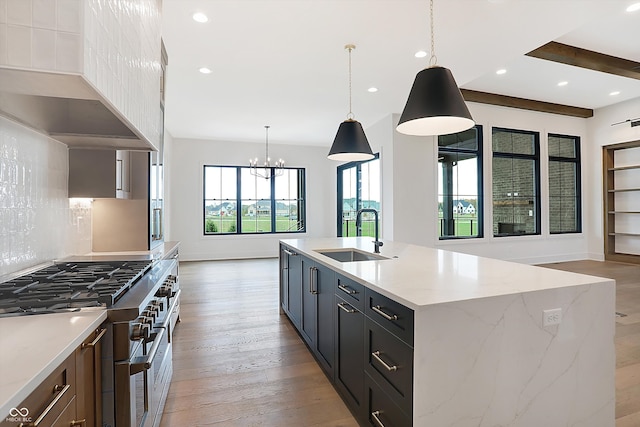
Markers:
238,362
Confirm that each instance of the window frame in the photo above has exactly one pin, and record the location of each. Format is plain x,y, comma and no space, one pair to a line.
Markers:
536,179
340,169
301,179
480,181
577,161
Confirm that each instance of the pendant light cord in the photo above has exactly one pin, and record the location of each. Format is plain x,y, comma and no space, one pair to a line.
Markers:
433,60
350,47
266,150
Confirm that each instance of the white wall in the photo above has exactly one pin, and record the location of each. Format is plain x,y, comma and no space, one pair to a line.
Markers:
188,157
409,188
38,223
603,133
414,189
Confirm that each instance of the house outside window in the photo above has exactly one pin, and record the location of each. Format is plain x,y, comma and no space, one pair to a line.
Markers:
238,202
460,184
358,187
565,213
516,182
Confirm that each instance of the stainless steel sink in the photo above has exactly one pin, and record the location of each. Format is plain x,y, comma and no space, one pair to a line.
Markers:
350,255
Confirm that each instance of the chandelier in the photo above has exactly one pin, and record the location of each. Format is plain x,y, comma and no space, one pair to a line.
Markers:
269,170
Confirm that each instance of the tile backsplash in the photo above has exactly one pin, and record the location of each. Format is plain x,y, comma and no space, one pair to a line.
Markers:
38,223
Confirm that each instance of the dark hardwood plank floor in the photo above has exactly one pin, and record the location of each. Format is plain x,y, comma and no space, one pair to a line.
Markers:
238,362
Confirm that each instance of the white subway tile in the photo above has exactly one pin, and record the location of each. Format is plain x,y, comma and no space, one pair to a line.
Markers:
44,49
19,12
44,14
3,43
69,16
18,46
3,11
68,52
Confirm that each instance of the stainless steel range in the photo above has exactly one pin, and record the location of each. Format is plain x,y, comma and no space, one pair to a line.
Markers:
142,300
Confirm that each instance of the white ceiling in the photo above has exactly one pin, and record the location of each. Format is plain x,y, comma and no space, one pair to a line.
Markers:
282,62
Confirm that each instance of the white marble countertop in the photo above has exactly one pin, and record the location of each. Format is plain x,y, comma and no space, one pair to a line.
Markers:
33,346
418,276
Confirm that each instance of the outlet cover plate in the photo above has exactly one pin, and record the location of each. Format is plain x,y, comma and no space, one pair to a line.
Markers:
551,317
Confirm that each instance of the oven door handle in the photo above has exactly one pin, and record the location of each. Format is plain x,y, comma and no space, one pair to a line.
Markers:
166,322
144,363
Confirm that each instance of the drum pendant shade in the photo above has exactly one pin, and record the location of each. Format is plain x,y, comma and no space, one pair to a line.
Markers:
350,143
435,105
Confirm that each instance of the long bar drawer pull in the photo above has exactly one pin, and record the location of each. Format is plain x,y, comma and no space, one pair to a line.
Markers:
95,340
78,423
60,390
288,252
348,310
378,309
374,415
376,355
347,290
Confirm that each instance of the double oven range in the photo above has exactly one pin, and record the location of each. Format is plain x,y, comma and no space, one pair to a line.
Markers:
142,299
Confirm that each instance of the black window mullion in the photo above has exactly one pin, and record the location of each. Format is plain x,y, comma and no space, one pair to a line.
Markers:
272,189
238,200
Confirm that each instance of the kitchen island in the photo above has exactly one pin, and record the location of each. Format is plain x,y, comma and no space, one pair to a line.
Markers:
483,342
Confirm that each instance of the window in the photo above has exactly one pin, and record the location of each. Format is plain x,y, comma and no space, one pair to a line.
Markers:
358,188
237,202
516,182
564,184
460,184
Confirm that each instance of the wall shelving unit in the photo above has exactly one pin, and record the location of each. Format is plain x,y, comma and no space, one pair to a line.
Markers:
621,172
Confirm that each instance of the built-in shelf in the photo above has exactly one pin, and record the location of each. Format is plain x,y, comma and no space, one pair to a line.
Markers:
624,168
620,190
614,205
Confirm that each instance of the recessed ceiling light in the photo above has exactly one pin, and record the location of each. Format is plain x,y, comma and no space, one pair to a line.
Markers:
563,83
501,71
373,89
634,7
420,54
205,70
614,93
200,17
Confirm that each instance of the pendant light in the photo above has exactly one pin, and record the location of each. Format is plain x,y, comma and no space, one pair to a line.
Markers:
350,143
278,166
435,105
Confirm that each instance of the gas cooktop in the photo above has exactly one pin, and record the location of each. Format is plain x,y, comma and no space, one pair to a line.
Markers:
70,286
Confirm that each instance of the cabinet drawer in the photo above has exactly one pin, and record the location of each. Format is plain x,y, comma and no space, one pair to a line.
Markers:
351,291
50,398
393,316
381,410
390,363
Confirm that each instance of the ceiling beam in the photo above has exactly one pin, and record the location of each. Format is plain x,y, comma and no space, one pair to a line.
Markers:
525,104
583,58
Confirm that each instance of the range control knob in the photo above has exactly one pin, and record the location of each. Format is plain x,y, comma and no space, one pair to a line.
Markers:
157,305
139,331
150,313
164,291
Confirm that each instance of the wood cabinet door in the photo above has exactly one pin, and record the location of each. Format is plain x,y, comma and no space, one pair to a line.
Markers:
349,374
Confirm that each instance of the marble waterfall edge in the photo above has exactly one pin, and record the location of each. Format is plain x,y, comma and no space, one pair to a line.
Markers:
496,365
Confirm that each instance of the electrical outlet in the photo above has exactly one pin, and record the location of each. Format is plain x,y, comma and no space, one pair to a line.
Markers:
551,317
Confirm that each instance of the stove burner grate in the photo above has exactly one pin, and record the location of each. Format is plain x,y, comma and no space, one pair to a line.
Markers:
70,286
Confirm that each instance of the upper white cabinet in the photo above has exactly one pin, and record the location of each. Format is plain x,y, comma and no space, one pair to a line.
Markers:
87,72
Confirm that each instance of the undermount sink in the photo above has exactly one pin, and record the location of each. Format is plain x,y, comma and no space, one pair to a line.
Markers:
350,255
